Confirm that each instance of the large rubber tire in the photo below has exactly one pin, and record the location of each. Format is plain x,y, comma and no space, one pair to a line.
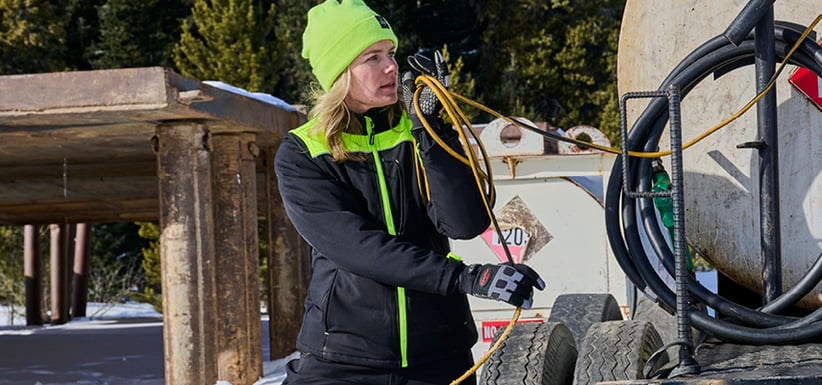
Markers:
664,322
617,350
535,353
580,311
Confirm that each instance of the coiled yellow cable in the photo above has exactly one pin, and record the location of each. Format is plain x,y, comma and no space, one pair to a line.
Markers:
483,178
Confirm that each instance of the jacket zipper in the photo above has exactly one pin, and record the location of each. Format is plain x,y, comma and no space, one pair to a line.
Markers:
401,192
389,223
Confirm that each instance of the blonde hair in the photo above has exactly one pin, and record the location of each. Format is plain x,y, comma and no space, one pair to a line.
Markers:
334,118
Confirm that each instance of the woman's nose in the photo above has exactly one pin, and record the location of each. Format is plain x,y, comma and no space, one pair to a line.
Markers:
392,66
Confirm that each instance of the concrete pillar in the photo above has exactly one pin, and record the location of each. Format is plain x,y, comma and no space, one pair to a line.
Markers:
239,338
60,261
187,253
82,253
288,269
33,271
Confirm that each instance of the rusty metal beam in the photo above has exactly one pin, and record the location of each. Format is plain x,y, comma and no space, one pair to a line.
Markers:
33,272
187,252
288,261
25,172
86,211
239,341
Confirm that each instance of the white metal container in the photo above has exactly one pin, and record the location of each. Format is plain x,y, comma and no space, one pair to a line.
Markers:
551,209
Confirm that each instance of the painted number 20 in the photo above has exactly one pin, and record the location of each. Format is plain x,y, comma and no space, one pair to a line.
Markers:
514,237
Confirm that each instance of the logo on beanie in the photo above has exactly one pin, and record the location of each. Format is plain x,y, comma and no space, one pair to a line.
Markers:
383,22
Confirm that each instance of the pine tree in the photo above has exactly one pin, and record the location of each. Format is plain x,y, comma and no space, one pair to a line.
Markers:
421,26
403,16
552,61
152,292
426,25
81,32
136,33
295,72
461,83
11,270
118,44
230,41
116,243
588,61
32,37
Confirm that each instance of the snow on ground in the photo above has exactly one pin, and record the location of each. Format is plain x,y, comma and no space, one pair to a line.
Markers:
82,351
71,353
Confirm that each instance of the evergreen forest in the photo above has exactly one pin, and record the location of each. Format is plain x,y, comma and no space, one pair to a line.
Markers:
547,60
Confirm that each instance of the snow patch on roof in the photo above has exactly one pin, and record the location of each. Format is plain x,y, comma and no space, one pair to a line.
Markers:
263,97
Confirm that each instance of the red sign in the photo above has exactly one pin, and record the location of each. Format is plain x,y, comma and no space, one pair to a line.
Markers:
809,84
515,238
490,328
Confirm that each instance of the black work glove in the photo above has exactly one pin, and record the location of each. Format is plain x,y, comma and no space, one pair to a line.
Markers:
511,283
429,104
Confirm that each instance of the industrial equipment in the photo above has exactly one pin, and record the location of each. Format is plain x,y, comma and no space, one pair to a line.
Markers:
742,192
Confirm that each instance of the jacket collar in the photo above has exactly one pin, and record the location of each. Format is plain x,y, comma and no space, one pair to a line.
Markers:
378,116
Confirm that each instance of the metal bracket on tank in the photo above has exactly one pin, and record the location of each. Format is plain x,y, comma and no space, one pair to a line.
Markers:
687,363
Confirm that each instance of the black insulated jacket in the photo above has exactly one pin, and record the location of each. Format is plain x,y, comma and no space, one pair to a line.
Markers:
383,289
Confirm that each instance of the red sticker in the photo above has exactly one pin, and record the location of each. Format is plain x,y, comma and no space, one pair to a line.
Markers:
490,328
809,84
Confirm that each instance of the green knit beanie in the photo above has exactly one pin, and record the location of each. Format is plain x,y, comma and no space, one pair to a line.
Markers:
337,32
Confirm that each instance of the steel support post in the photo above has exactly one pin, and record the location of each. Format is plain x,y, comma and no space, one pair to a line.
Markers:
82,253
59,273
765,63
187,253
33,271
288,269
234,185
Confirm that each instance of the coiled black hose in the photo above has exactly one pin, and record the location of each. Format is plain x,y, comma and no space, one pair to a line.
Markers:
734,322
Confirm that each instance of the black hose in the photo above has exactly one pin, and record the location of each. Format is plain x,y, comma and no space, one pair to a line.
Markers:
802,288
625,215
723,56
745,21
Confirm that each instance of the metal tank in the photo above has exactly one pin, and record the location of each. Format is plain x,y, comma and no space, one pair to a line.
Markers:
721,173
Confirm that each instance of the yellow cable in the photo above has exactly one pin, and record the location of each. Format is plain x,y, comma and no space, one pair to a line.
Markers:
457,116
491,351
441,93
462,123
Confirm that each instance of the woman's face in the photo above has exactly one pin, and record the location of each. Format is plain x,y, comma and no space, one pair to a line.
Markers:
373,78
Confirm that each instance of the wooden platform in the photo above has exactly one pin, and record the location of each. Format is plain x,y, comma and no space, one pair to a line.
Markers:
147,144
77,146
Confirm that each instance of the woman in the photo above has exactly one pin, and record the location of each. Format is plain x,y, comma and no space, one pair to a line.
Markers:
387,300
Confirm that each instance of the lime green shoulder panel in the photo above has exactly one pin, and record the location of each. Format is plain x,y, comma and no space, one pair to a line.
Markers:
317,145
